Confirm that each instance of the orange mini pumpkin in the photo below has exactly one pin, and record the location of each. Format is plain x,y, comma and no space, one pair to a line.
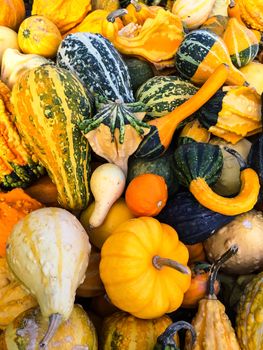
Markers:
12,13
38,35
146,195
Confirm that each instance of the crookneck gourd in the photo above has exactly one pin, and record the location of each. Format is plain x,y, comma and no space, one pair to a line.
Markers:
18,168
199,165
212,326
142,257
48,103
250,315
116,130
162,129
157,40
200,53
232,113
26,331
48,251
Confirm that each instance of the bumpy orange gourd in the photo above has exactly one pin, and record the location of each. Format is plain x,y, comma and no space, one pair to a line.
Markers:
66,14
146,195
12,13
137,13
145,258
38,35
252,13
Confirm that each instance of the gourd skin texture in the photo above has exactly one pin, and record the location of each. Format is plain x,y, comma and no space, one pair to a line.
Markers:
28,328
49,251
250,315
48,103
127,270
12,13
65,14
252,13
122,331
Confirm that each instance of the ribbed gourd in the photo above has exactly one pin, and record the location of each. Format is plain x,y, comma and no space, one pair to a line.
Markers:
48,103
200,53
18,168
250,315
251,13
241,42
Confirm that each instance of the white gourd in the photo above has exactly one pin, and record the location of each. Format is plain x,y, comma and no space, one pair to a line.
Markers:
8,39
48,251
193,13
107,184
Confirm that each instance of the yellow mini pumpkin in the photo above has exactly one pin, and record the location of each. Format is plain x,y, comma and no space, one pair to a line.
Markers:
38,35
12,13
144,258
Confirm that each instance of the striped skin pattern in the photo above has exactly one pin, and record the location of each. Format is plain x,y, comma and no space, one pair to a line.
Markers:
162,94
97,64
49,102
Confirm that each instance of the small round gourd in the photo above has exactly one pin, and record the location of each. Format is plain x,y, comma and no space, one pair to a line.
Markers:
38,35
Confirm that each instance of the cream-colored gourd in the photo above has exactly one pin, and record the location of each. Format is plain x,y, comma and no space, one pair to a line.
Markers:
107,184
8,39
48,251
14,63
193,13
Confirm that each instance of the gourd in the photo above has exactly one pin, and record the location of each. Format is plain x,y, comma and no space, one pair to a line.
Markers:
29,327
229,181
108,5
107,184
162,129
193,131
121,331
203,223
17,167
38,35
118,213
192,162
249,315
115,132
246,230
14,63
216,24
48,251
64,14
162,94
200,53
44,191
14,205
251,13
212,326
193,13
242,43
12,13
166,340
196,252
235,113
255,161
146,195
199,281
46,114
8,39
14,299
162,166
92,285
137,13
142,257
253,72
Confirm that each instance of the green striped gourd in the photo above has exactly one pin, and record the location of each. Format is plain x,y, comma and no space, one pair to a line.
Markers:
161,94
241,42
97,64
200,53
48,103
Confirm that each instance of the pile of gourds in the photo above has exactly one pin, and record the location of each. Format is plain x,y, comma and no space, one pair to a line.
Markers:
131,165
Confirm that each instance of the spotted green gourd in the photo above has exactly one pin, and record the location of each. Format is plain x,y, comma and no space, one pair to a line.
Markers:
48,103
162,94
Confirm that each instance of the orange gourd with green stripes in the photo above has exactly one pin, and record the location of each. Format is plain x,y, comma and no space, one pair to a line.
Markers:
200,53
48,103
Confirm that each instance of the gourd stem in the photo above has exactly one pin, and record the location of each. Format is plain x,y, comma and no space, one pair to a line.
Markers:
54,323
159,262
115,14
239,158
136,5
216,266
166,338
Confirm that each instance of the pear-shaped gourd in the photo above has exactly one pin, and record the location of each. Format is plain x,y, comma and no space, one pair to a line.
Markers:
107,184
48,251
